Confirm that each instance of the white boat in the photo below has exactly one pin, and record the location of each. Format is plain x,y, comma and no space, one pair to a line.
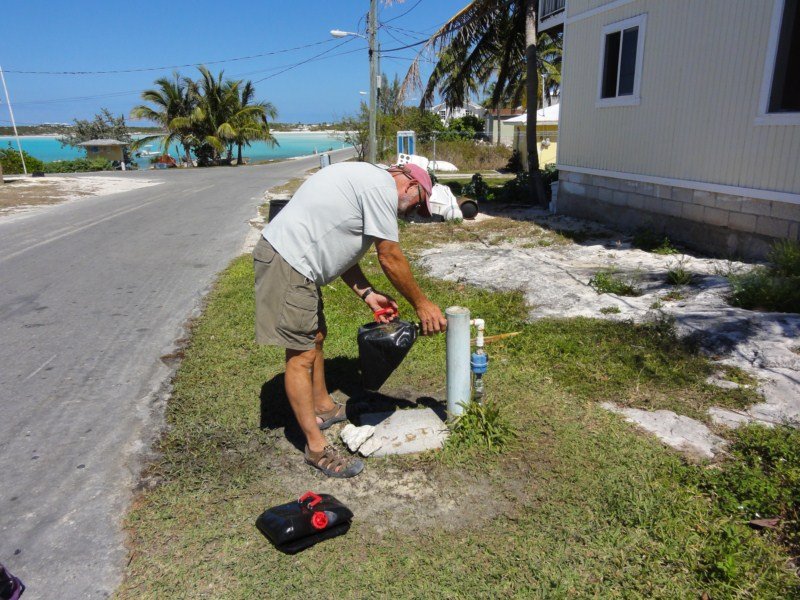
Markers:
148,150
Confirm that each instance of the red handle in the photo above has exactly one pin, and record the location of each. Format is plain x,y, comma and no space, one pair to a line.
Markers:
316,499
384,311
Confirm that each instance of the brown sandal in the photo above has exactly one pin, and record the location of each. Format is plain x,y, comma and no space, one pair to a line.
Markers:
331,462
335,415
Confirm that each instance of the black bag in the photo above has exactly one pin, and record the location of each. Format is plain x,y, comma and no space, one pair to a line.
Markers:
381,349
298,525
11,588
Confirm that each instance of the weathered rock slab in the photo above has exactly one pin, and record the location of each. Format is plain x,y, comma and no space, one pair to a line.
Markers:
403,432
680,432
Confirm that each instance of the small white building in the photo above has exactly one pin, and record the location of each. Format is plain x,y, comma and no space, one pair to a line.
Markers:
683,117
447,114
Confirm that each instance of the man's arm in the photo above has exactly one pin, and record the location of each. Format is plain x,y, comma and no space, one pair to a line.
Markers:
394,264
354,277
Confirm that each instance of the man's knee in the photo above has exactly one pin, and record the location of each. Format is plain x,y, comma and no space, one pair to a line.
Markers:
301,359
320,337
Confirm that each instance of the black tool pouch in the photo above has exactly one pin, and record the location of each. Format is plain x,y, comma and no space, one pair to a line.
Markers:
295,526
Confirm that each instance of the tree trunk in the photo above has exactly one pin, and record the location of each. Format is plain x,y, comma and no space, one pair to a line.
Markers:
188,155
535,184
239,155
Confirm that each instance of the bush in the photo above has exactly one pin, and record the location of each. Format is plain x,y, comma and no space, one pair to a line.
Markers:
549,175
468,155
516,190
515,162
12,163
79,165
477,188
775,287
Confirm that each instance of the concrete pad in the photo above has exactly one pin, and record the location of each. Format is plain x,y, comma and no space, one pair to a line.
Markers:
404,432
680,432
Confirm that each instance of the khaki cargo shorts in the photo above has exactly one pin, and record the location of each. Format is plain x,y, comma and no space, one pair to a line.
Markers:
288,304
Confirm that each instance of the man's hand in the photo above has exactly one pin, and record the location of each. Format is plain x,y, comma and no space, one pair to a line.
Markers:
376,301
431,318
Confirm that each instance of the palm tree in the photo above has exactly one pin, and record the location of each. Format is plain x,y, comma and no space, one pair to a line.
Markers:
172,103
250,119
489,39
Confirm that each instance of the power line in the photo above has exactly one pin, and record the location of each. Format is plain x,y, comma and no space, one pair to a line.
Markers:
316,56
164,68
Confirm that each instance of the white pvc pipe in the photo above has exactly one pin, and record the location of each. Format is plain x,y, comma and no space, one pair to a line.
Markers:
458,370
480,325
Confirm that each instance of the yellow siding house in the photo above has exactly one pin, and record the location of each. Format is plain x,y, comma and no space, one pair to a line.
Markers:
546,135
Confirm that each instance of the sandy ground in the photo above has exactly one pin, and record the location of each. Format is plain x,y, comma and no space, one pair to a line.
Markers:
555,280
23,193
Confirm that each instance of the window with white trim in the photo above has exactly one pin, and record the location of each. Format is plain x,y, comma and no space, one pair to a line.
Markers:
621,62
785,91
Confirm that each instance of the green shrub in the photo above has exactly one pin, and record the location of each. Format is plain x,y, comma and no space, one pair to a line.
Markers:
477,188
775,287
761,479
785,258
609,282
481,426
516,190
12,163
515,162
549,174
78,165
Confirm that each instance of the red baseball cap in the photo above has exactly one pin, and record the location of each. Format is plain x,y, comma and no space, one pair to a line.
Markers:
421,176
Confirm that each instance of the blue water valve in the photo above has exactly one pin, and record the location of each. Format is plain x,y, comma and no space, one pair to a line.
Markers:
479,362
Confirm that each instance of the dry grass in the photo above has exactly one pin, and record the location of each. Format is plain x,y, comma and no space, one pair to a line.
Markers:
18,191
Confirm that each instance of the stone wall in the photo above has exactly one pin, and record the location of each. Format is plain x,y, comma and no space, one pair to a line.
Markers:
719,224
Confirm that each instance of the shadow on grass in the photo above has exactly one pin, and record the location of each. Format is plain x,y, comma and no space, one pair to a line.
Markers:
342,375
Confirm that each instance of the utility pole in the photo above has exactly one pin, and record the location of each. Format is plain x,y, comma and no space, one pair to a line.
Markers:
373,81
13,123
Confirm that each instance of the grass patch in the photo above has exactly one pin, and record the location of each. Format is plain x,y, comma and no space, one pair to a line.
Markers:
679,275
579,505
775,287
610,310
761,479
611,282
673,296
481,426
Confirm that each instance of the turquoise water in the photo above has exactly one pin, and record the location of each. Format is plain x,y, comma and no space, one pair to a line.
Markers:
48,149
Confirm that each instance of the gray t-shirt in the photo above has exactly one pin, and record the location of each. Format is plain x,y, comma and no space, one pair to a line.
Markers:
333,218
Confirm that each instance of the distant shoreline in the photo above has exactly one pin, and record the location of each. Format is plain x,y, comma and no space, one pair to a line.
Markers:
56,135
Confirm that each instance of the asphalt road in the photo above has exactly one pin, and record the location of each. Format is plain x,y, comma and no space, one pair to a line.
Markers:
92,294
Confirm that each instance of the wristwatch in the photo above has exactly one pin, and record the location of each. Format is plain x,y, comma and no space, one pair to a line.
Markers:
366,293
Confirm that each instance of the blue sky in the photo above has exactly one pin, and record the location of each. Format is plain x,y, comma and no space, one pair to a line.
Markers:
90,35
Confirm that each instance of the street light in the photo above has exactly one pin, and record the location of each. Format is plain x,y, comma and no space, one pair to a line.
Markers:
373,74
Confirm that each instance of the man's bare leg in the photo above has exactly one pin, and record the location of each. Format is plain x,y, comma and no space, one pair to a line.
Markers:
299,367
322,400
